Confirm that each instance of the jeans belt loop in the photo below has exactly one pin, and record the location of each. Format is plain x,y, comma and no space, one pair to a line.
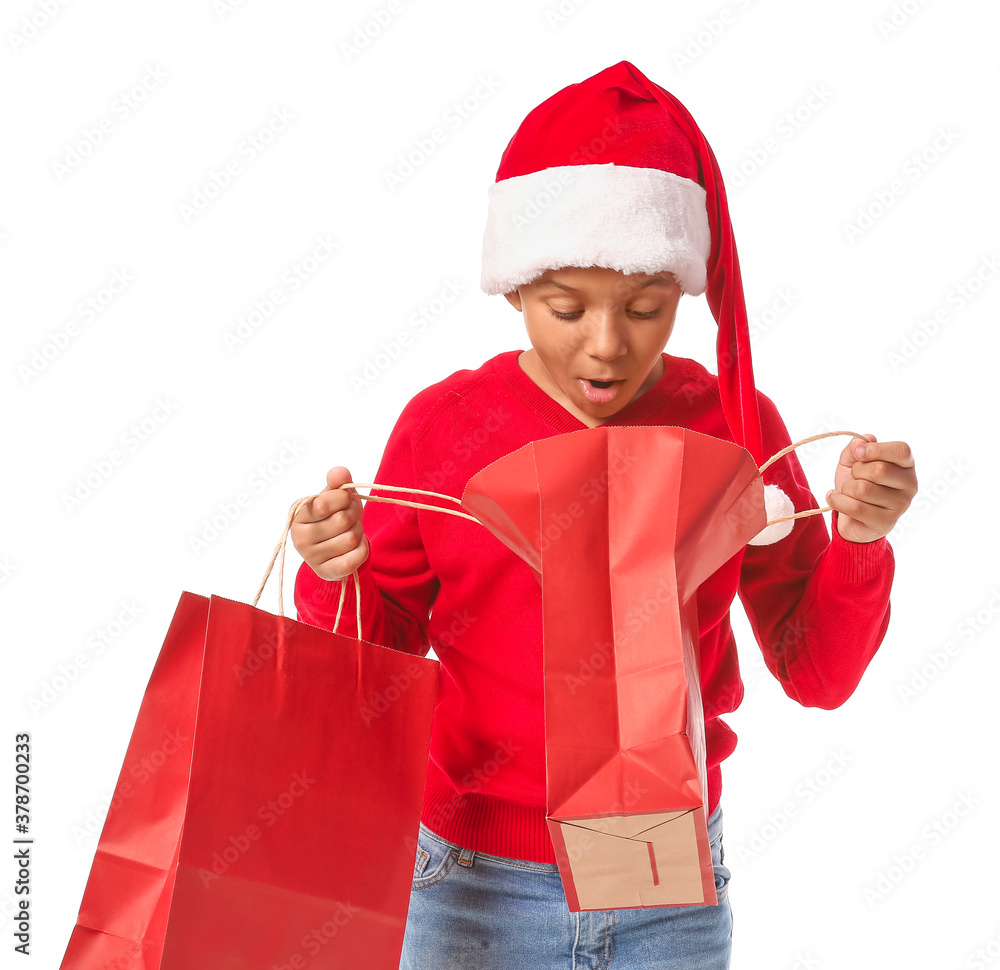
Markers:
466,857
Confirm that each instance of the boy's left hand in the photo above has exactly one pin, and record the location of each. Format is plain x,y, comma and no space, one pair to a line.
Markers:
873,488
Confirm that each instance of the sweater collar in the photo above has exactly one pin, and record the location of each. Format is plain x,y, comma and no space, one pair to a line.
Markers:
637,411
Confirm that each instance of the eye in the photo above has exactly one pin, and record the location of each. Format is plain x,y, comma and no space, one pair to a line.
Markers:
635,314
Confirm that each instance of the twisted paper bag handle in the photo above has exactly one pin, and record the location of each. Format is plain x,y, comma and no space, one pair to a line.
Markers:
279,549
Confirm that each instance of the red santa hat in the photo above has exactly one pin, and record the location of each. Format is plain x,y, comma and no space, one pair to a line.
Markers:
614,172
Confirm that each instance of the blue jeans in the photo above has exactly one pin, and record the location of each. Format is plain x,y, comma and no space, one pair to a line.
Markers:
473,911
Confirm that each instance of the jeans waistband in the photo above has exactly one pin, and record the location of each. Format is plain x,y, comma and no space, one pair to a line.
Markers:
467,857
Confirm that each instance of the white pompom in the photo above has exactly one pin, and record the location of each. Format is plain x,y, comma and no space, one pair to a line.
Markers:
776,504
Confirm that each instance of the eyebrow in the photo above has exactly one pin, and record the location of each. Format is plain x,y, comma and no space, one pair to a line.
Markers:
562,286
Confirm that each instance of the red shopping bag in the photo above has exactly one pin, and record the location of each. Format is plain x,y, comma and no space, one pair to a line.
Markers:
612,518
267,810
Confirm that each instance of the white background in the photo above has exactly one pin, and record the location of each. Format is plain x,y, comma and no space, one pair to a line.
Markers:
880,95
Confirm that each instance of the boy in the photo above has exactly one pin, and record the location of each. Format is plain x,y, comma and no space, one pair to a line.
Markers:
636,215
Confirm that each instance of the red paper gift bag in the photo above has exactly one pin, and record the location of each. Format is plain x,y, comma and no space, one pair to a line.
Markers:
612,518
267,810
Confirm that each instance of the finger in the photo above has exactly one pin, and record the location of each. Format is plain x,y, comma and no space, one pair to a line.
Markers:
336,523
896,452
871,493
332,499
329,547
873,517
322,506
342,566
886,473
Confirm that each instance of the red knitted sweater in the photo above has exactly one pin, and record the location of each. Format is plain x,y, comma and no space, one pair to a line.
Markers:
818,607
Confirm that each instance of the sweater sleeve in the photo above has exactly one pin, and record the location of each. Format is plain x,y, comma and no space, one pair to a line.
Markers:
818,606
397,584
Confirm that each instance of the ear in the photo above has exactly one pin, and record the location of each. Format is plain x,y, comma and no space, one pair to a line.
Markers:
514,299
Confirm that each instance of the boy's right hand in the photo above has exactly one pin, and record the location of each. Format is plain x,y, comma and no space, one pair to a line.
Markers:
327,530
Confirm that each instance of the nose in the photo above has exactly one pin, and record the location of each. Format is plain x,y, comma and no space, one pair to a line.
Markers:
605,336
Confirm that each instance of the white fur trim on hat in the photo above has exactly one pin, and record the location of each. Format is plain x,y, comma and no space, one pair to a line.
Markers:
776,504
635,220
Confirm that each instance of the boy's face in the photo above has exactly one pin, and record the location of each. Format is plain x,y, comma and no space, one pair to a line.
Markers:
595,324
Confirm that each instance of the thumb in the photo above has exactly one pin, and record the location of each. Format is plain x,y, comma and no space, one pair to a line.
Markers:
847,456
847,461
337,476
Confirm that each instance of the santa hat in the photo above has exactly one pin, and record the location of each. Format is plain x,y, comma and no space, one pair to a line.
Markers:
614,172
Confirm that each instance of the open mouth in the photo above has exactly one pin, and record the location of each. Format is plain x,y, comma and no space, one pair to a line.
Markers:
600,392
